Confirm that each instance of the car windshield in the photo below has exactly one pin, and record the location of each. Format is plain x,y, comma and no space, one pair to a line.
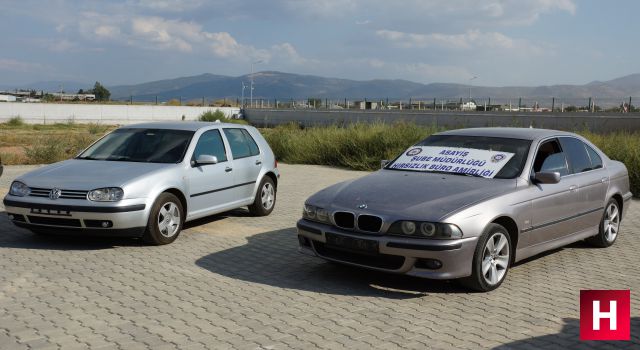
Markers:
479,156
140,145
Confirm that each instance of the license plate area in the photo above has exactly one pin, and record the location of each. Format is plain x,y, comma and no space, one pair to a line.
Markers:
351,243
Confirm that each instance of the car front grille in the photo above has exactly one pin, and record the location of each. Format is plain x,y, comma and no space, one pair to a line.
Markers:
66,194
345,220
381,261
369,223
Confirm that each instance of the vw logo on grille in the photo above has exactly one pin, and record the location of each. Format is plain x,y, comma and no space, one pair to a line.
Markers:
55,193
362,206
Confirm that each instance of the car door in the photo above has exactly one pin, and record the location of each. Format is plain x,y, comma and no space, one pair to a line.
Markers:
592,181
210,185
247,162
553,205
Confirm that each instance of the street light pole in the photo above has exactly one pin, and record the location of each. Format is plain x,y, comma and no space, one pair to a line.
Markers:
251,88
243,87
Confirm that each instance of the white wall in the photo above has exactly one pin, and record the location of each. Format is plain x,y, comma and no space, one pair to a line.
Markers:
49,113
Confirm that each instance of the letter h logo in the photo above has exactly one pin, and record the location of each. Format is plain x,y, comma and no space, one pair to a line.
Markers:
605,314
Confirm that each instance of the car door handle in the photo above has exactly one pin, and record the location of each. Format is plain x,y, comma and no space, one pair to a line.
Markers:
604,180
573,188
228,169
258,162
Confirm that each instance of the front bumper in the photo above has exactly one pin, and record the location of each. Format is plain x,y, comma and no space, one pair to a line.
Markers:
68,217
408,256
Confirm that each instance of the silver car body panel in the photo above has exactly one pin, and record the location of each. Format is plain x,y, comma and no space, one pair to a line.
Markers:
144,182
543,216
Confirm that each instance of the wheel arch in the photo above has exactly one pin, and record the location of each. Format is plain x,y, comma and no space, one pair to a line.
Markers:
273,177
183,199
618,198
512,229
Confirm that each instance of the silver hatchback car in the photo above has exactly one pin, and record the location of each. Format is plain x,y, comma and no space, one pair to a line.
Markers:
147,180
468,203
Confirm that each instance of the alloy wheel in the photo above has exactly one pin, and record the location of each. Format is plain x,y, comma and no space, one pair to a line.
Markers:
267,196
611,222
495,258
169,219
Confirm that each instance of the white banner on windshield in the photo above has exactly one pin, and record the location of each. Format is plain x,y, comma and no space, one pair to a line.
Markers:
453,160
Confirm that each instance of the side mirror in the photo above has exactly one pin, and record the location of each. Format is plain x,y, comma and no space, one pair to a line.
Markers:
384,162
205,159
547,177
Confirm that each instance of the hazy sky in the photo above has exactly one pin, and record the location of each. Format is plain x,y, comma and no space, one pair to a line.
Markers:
502,42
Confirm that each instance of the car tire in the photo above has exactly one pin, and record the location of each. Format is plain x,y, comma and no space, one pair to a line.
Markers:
165,220
491,260
265,199
609,226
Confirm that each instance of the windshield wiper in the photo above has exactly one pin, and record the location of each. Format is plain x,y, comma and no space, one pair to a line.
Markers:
87,158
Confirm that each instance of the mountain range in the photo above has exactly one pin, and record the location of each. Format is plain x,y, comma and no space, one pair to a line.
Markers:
271,84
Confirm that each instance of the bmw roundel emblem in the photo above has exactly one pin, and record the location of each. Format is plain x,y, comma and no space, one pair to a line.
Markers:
55,193
362,206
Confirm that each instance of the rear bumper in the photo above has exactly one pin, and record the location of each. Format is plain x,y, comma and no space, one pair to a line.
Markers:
395,254
124,220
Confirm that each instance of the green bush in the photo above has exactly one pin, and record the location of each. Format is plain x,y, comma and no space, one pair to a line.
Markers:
362,146
15,121
356,146
56,148
211,116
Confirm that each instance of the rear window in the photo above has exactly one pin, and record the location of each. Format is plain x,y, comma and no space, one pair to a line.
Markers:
241,143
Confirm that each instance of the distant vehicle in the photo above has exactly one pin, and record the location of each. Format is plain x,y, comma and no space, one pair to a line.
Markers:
468,204
147,180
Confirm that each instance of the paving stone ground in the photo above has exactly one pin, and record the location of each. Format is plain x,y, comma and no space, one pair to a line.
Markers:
233,281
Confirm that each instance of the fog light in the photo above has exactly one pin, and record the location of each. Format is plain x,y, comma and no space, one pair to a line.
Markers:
11,216
105,224
431,264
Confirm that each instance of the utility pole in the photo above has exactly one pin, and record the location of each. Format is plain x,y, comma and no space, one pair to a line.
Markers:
243,87
474,77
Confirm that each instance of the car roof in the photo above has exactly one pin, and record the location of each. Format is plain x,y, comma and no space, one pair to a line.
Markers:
186,125
514,133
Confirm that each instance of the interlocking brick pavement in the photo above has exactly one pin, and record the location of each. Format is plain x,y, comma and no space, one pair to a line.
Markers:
233,281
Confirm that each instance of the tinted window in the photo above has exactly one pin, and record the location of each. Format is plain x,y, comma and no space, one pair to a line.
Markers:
596,161
513,168
237,141
253,147
577,154
141,145
550,158
210,143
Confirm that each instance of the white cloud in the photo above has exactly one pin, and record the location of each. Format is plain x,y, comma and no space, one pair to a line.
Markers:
9,64
472,39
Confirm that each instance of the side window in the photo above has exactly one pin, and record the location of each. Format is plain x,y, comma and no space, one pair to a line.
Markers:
577,154
550,158
253,147
210,142
238,143
596,161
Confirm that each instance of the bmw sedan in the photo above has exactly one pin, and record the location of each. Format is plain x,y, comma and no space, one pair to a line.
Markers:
147,180
467,204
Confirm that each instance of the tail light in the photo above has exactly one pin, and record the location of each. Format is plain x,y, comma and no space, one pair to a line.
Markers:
275,163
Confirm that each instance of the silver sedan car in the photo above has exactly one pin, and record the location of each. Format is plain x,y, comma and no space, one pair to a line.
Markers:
466,204
147,180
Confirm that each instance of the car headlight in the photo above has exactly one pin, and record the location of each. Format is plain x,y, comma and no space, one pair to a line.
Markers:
422,229
314,213
19,189
107,194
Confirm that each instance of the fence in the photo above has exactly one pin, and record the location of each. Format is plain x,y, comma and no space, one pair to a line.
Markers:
517,104
601,122
103,113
